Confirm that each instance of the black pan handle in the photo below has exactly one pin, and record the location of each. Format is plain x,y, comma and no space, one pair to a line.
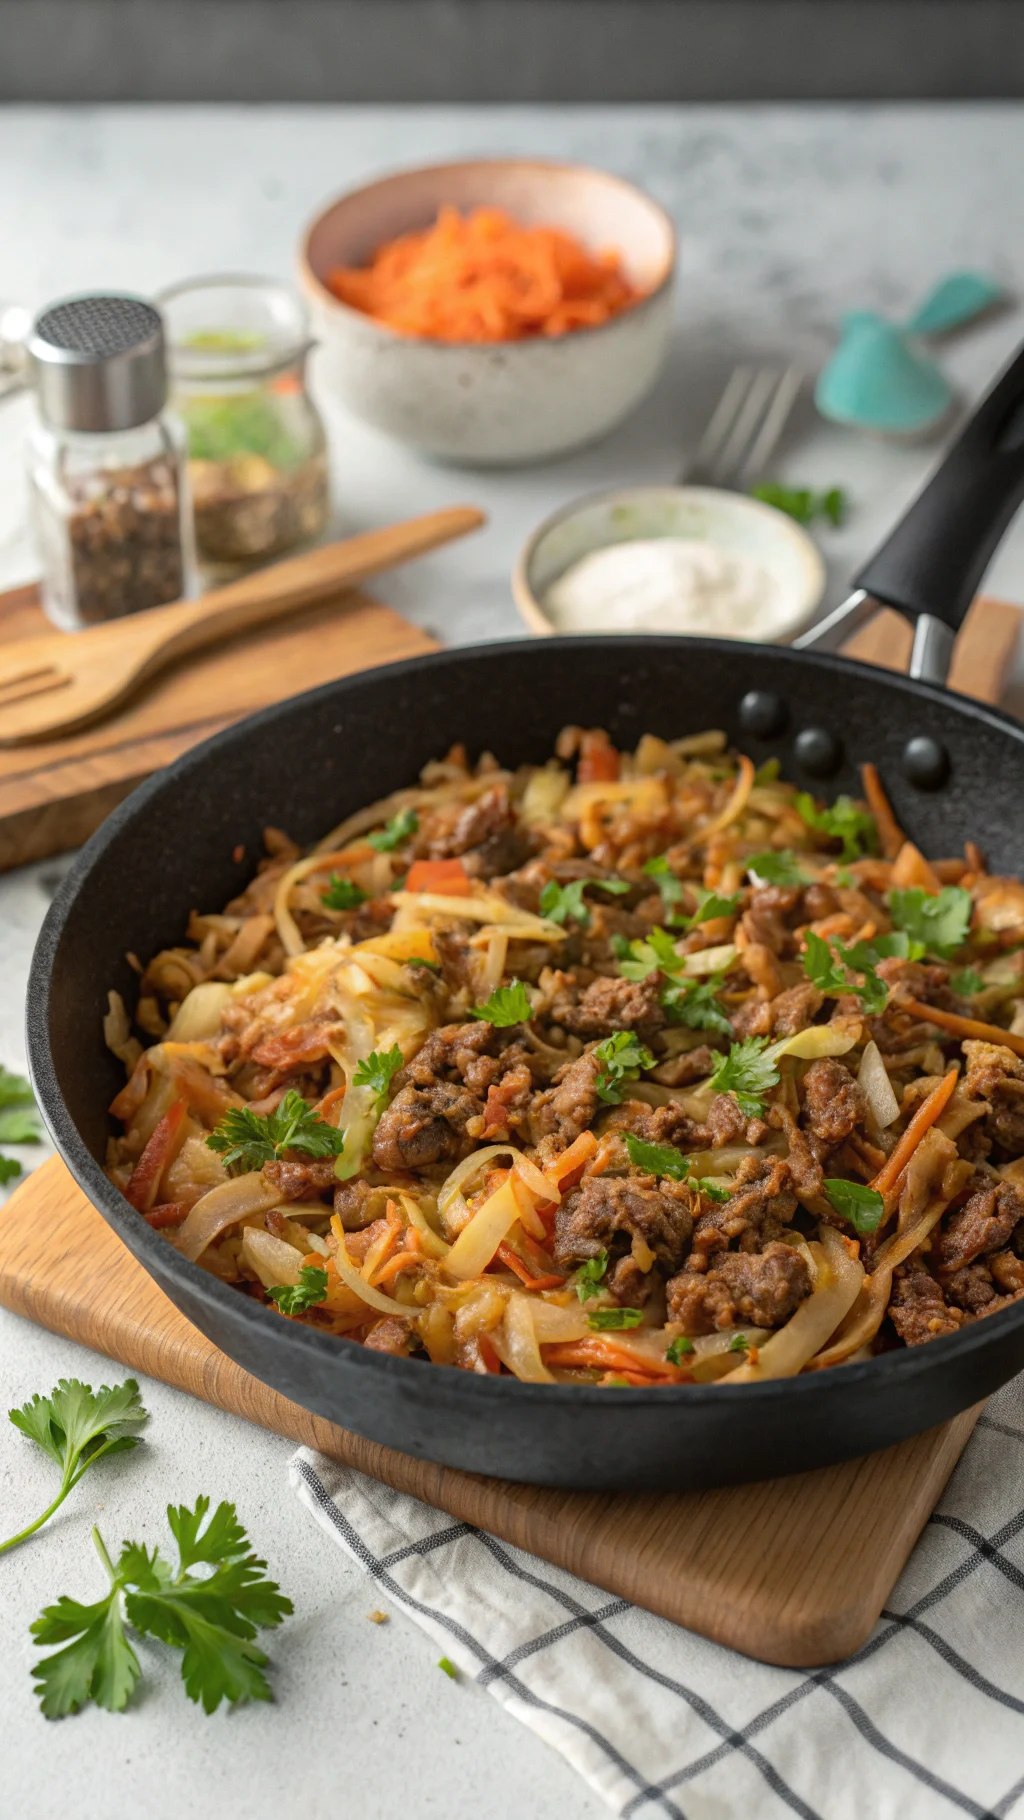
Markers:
933,561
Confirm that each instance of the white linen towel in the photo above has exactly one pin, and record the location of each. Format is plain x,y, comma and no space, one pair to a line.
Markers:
926,1721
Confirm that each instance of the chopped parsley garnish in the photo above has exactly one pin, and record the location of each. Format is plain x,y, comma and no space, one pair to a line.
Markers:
678,1349
621,1056
820,967
18,1121
590,1277
845,821
776,868
377,1070
668,884
967,982
941,923
564,903
246,1140
854,1201
428,966
695,1004
657,1159
803,503
710,905
897,945
342,894
77,1426
448,1668
506,1006
295,1298
639,959
713,1190
212,1618
400,828
612,1319
738,1343
748,1072
767,773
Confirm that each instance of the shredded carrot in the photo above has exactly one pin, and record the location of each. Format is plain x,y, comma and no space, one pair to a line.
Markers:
446,877
566,1169
484,277
513,1262
889,831
600,1352
489,1357
965,1026
329,1101
930,1109
403,1260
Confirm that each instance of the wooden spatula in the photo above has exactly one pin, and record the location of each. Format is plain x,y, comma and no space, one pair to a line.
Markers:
63,680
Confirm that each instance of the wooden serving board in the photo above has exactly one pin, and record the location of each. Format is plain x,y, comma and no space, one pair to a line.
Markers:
792,1571
55,793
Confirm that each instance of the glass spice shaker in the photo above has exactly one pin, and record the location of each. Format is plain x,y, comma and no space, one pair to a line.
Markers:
106,466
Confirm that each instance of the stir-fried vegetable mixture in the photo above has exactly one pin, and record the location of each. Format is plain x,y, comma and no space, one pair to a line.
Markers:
633,1068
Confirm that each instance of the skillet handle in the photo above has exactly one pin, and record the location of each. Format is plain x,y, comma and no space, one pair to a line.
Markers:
932,563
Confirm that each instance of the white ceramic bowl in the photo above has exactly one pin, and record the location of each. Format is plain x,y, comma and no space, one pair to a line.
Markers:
735,523
494,403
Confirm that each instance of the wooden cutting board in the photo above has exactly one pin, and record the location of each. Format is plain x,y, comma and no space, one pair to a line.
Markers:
54,794
793,1571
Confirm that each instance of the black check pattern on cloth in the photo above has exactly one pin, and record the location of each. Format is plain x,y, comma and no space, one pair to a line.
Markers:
925,1721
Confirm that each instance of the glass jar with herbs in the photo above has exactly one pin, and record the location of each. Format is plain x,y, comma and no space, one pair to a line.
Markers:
256,448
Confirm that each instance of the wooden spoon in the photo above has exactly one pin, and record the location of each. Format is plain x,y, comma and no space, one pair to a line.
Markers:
60,681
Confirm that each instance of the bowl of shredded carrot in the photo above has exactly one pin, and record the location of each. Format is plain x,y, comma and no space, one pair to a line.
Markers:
499,311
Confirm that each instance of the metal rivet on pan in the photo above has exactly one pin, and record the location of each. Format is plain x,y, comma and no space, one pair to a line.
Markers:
925,762
818,751
763,713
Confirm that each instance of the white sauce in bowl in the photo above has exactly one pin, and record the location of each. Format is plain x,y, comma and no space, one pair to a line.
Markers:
667,584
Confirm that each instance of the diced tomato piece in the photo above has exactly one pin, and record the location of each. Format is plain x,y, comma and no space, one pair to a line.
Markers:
141,1191
599,761
444,877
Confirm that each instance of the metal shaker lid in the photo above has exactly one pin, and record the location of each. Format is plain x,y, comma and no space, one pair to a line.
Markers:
98,363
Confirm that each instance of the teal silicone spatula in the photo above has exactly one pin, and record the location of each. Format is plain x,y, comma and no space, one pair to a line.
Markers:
878,379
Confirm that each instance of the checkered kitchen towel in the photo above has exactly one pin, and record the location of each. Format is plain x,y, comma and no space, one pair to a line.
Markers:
926,1721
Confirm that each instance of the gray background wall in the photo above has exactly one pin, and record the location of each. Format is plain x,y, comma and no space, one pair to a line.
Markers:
508,50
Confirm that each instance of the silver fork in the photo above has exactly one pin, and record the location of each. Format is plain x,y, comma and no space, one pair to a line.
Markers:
745,427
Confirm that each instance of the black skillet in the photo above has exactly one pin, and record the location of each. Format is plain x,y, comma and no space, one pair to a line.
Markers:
954,770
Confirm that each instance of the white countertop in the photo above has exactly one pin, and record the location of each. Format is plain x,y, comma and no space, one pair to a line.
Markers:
788,217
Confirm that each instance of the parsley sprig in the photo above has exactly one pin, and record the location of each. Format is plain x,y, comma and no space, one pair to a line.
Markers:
18,1121
506,1006
342,894
748,1070
665,1159
377,1071
940,923
564,903
400,828
211,1618
831,979
295,1298
778,866
247,1140
853,1201
77,1426
845,821
687,1001
622,1056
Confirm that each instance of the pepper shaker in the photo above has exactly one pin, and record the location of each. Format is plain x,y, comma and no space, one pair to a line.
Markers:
107,477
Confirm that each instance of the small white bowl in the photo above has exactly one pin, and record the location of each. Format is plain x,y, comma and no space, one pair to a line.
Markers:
733,522
494,403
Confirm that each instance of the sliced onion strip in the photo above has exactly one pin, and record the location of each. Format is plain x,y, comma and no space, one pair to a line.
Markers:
224,1206
350,1276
